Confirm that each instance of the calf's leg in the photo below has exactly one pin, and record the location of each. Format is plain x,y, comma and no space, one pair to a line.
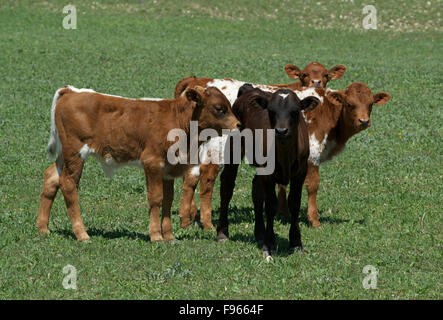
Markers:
258,198
294,208
208,175
271,204
51,184
168,197
154,186
187,204
69,181
282,202
227,184
312,182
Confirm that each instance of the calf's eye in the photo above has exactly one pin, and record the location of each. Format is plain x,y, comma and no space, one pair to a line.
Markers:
220,110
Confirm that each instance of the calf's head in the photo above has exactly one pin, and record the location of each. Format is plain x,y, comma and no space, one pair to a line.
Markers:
315,74
357,102
284,108
212,109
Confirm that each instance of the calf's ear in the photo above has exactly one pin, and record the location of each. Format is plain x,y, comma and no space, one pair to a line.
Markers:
336,72
292,71
381,98
336,97
244,88
195,94
309,103
259,99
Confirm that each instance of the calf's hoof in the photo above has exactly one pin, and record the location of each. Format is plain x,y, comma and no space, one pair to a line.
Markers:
83,237
185,222
221,237
295,249
268,253
208,227
168,237
43,231
157,237
315,224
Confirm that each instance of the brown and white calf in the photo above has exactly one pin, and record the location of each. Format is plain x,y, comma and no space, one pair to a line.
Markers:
207,173
121,131
281,112
341,115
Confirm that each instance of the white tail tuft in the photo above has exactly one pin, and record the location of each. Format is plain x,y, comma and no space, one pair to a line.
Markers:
54,145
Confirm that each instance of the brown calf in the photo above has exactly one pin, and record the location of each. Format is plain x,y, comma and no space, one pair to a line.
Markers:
121,131
341,115
313,75
280,111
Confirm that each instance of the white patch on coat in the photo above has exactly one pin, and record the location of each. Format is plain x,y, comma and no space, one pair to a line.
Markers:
212,151
228,87
195,171
265,87
109,165
112,95
80,90
152,99
283,95
316,149
309,92
85,151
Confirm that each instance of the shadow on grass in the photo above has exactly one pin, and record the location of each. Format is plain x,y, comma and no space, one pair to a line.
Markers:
238,215
113,234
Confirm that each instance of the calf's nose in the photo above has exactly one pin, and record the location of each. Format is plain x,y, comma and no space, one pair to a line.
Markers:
281,131
364,122
316,83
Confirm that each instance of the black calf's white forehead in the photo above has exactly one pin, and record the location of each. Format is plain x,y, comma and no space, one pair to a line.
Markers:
284,100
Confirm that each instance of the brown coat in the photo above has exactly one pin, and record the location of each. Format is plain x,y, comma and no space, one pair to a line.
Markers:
121,131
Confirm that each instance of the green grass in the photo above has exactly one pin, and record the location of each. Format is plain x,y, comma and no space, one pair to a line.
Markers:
373,197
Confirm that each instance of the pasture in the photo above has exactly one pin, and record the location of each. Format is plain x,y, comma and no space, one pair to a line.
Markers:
380,201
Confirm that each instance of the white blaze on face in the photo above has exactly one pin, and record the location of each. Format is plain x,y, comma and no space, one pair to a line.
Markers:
284,95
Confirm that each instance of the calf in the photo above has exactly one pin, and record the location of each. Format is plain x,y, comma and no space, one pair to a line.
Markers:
313,75
341,115
207,173
121,131
280,111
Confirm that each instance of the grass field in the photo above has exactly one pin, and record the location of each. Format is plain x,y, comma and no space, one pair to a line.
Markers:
380,201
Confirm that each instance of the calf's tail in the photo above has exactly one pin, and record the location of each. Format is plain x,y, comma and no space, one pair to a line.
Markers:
54,145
